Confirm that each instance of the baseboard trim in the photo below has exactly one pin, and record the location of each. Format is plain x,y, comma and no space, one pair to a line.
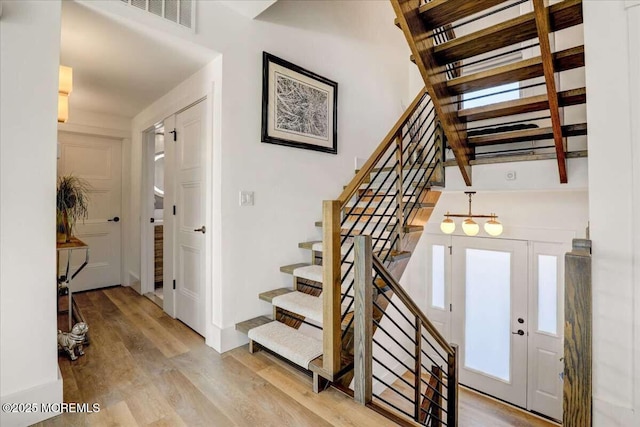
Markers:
226,339
50,392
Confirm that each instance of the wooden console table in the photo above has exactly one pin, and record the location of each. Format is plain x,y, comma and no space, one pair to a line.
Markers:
74,244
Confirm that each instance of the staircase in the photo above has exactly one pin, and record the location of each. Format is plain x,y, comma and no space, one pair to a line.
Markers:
498,44
389,200
345,319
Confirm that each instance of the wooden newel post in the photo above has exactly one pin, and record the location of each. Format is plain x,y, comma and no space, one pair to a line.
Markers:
331,285
577,336
363,320
452,388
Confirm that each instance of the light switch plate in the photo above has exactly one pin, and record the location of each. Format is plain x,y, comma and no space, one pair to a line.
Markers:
246,198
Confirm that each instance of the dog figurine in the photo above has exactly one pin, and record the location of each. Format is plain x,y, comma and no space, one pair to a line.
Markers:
70,341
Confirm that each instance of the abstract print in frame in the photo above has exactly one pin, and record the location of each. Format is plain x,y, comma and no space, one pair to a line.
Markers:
299,108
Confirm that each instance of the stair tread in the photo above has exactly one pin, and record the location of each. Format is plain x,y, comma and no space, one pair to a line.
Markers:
308,245
288,269
270,295
522,105
517,30
407,228
440,12
313,272
252,323
305,305
288,342
522,70
318,246
300,303
395,255
527,135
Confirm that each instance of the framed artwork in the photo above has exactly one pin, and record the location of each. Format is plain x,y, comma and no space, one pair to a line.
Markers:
299,108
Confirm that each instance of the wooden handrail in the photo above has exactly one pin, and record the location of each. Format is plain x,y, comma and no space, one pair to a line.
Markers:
399,291
366,169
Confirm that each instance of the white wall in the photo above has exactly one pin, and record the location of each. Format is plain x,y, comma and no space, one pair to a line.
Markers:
29,52
612,53
353,43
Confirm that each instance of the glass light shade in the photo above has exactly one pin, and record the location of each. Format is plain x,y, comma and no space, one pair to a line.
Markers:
65,79
493,227
63,108
447,226
470,227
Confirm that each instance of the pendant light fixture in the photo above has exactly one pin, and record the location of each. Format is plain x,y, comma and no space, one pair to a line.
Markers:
469,226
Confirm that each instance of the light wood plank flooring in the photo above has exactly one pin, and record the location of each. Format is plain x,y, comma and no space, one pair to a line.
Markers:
146,369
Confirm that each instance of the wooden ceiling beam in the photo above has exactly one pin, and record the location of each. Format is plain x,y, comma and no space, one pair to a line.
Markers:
435,79
543,25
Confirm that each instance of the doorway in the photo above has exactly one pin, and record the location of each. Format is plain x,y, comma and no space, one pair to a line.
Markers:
155,172
501,301
175,226
98,161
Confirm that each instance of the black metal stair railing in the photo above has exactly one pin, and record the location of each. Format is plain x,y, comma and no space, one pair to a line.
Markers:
404,368
410,166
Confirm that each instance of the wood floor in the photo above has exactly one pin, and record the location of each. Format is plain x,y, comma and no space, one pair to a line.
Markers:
146,369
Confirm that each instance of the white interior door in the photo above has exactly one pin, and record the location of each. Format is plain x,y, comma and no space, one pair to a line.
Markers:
189,223
489,278
98,161
546,323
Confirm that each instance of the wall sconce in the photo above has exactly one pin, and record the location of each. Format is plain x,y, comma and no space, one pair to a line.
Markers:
65,85
469,226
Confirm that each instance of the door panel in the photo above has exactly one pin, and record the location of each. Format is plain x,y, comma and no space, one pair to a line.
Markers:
438,283
487,332
98,161
190,216
546,308
489,279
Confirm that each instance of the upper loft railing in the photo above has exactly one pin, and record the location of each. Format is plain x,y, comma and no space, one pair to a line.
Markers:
382,200
403,367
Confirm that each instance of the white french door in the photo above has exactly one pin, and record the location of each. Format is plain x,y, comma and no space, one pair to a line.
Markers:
98,161
502,302
489,317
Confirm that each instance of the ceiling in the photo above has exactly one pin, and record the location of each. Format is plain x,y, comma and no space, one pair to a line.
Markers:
116,69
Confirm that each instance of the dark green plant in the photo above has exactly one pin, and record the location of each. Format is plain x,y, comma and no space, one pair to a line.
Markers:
73,198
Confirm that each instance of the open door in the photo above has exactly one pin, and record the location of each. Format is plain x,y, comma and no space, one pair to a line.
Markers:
185,161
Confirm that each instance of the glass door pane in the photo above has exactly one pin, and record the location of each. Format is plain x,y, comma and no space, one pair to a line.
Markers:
488,312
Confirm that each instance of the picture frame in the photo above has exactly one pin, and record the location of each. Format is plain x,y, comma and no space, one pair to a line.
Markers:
299,107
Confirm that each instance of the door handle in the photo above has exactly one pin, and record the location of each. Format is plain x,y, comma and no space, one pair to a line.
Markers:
202,229
114,219
520,332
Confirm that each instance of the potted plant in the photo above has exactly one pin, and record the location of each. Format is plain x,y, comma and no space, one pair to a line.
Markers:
72,203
